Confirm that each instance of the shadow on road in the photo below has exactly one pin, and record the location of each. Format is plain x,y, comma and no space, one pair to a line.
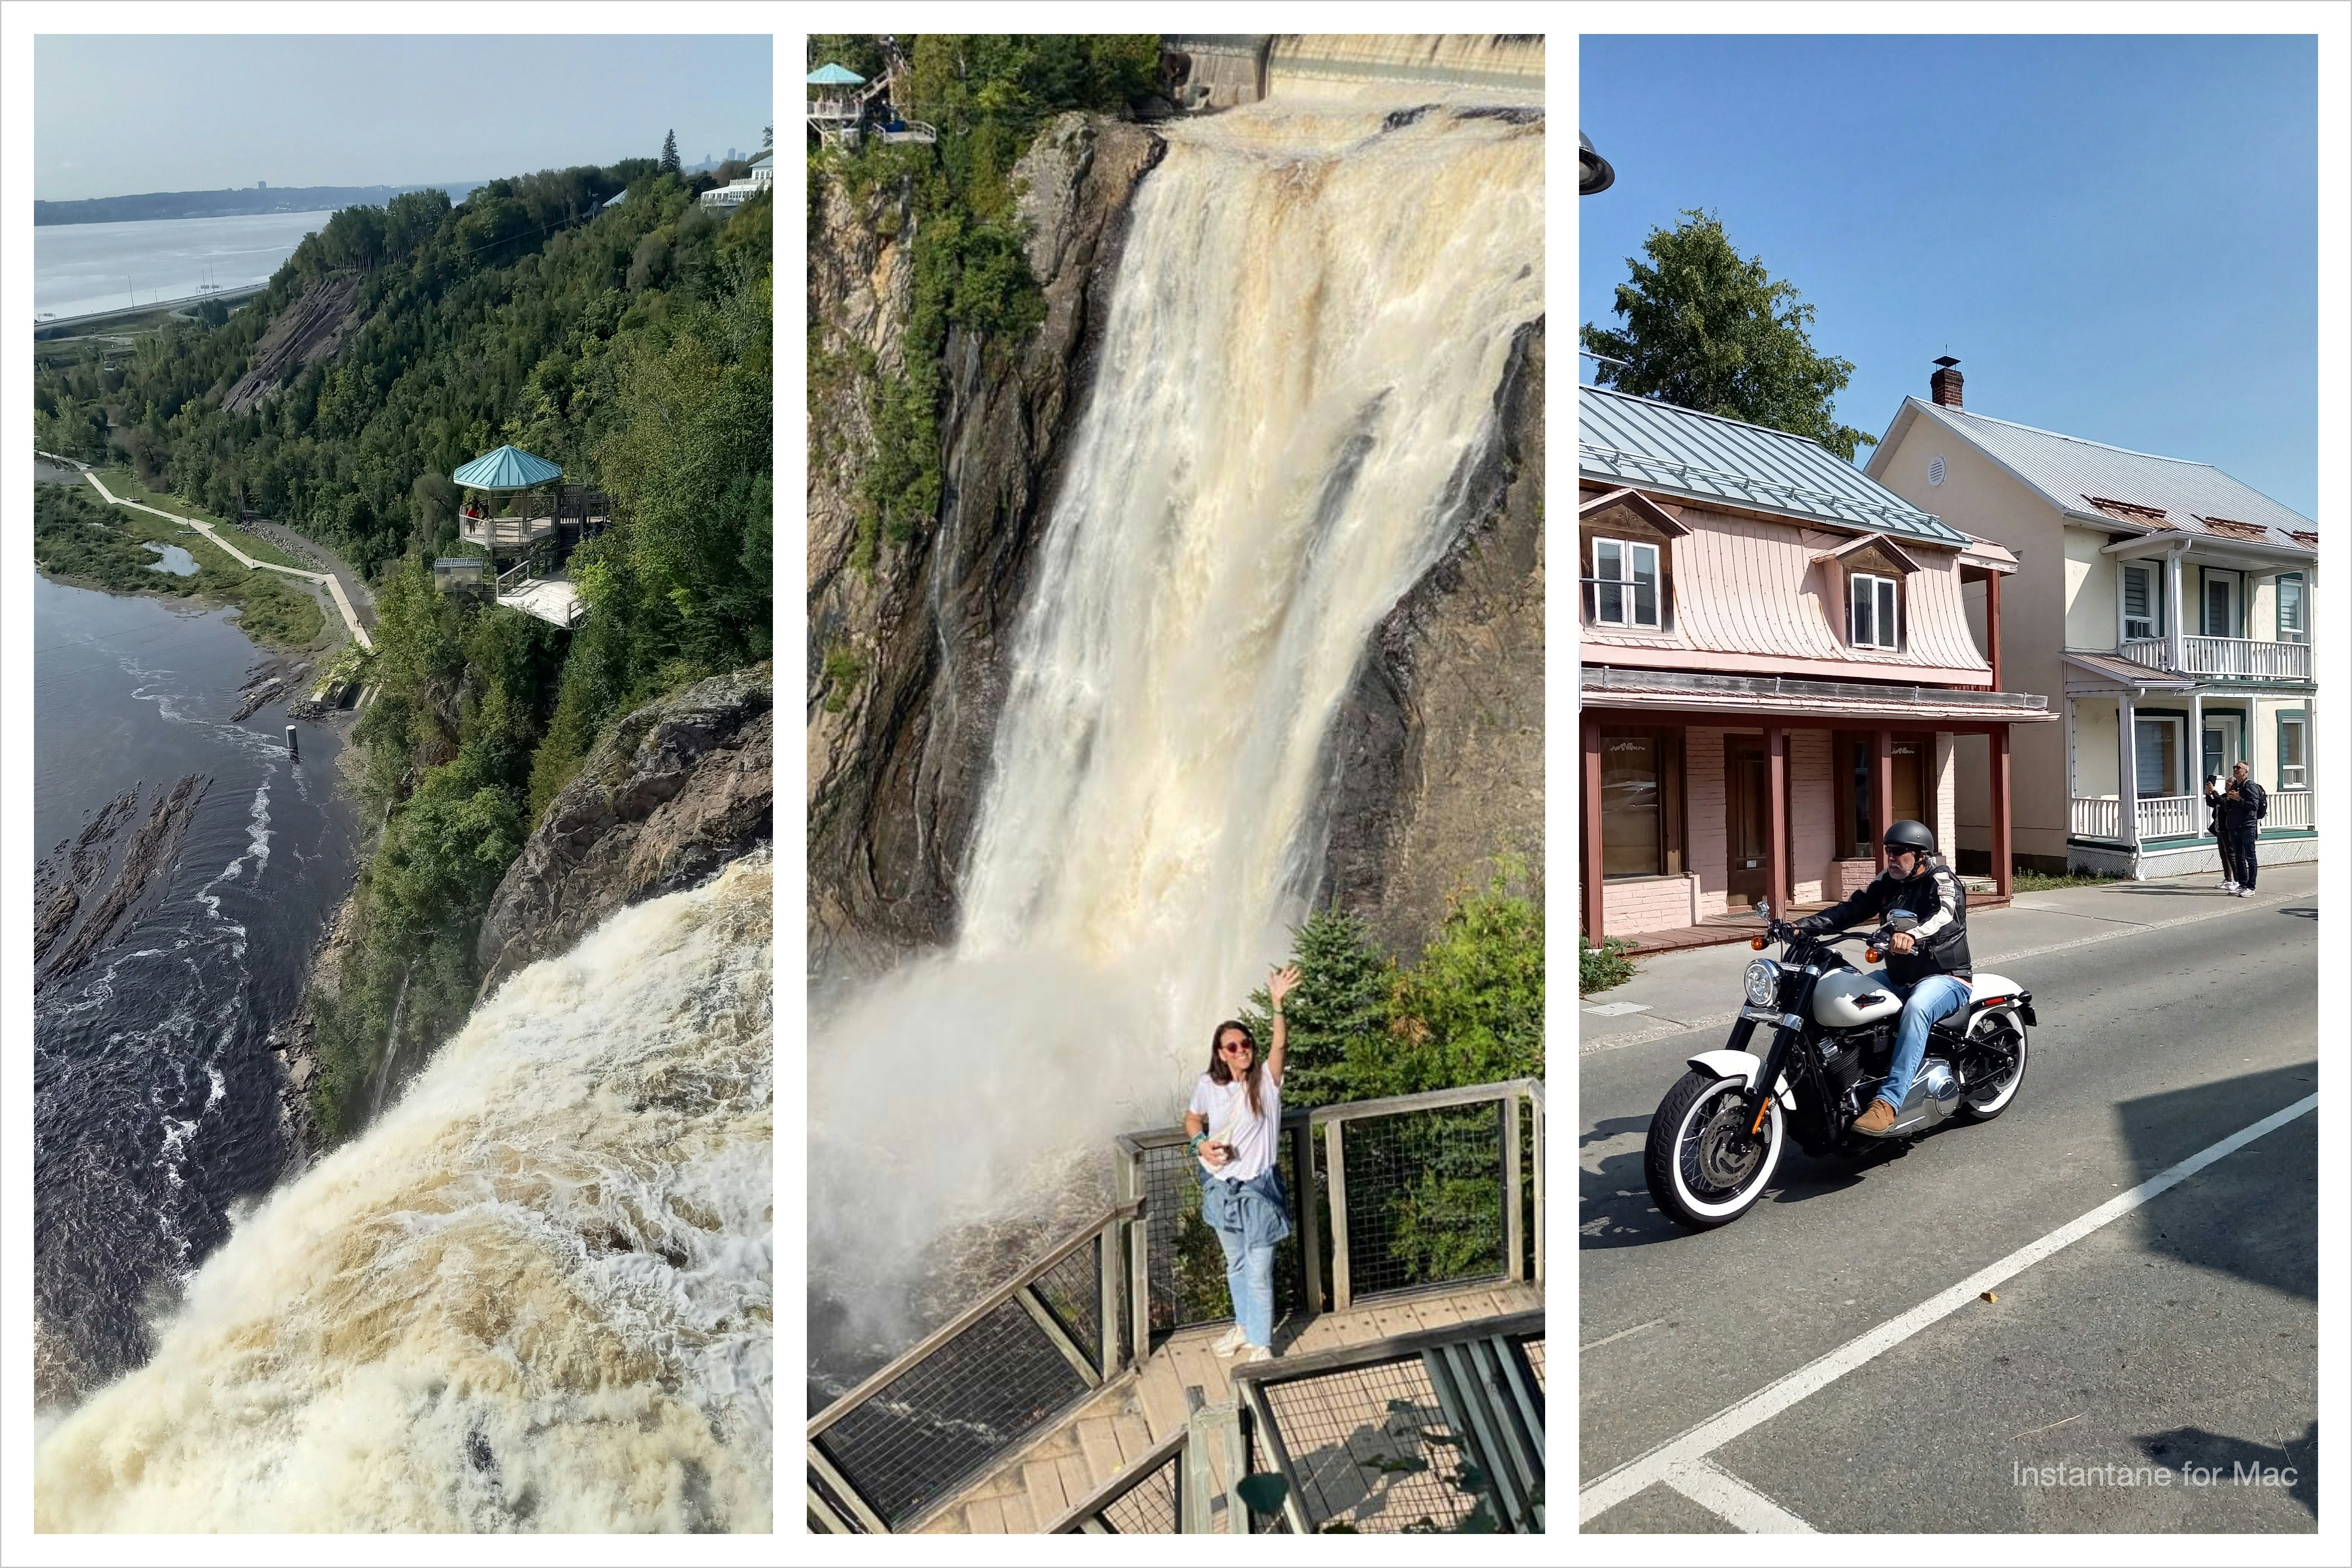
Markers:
2235,1457
1617,1210
2272,1242
2299,912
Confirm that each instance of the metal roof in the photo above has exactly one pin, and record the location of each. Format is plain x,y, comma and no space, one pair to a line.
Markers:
506,469
831,75
1671,450
2079,475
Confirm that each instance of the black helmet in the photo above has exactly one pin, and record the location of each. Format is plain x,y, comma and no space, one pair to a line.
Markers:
1909,834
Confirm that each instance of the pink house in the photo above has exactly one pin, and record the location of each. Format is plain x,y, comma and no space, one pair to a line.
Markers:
1777,662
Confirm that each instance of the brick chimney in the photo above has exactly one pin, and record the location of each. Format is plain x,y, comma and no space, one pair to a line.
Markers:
1944,387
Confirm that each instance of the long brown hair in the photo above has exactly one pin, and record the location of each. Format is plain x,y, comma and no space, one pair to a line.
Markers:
1220,1073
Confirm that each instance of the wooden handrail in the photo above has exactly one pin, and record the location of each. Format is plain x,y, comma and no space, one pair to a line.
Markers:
1119,1485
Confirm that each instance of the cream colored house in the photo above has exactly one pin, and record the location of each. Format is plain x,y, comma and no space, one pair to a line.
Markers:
2169,603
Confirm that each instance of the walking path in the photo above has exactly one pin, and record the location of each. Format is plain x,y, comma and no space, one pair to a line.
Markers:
325,579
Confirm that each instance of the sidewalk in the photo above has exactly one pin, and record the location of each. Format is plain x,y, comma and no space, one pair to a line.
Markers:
1698,988
326,580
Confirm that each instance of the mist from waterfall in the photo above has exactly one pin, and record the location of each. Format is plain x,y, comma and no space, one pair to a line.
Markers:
536,1294
1314,310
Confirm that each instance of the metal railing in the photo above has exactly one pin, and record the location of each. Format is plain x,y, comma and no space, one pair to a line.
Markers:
908,1438
1393,1436
1148,1498
1387,1196
2224,658
1409,1191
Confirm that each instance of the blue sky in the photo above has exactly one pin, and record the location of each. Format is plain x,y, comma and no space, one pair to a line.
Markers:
124,115
2116,236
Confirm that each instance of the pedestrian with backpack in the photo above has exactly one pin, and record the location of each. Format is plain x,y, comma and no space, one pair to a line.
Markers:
2237,812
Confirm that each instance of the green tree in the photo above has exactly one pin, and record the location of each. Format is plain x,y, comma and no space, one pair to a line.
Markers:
1709,330
669,164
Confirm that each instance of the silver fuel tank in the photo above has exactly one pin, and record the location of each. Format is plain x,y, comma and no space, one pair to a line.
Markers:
1845,1000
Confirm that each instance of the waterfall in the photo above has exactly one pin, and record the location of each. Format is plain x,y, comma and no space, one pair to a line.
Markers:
1315,306
536,1294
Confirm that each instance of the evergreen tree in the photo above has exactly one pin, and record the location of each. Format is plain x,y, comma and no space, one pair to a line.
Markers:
669,164
1342,999
1709,330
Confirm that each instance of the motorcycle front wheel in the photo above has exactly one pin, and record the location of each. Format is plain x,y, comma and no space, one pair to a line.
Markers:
1704,1168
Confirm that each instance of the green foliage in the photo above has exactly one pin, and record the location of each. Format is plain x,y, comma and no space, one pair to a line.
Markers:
669,164
987,94
1709,330
2023,880
842,671
1599,968
78,536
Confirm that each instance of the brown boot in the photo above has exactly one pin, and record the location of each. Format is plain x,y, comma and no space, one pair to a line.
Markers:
1874,1122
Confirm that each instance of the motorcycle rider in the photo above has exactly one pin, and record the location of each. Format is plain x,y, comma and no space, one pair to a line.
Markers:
1928,966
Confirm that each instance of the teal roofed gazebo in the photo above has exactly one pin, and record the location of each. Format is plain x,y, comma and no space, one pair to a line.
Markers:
830,75
506,469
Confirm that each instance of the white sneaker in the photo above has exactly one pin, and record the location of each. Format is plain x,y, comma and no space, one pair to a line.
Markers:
2228,886
1232,1339
1260,1352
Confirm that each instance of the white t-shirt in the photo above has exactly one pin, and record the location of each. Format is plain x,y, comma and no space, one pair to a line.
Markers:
1228,1107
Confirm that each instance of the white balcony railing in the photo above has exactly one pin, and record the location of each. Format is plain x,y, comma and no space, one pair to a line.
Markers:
2171,816
2096,819
2289,809
504,533
2225,658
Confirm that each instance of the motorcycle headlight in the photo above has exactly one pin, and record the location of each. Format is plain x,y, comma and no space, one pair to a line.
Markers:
1763,982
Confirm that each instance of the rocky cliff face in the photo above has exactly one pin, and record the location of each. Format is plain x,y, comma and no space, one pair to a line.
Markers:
678,789
1437,759
313,328
898,751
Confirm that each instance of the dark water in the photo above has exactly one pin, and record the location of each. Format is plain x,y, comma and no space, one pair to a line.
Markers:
155,1096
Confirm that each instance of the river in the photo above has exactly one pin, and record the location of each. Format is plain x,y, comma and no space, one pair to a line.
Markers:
79,268
155,1096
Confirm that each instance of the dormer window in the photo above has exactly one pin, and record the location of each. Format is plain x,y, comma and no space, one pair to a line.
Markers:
2143,604
1625,584
1871,617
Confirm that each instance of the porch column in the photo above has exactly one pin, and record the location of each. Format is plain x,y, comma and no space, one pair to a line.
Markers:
1882,792
1776,767
1591,869
2196,769
2004,863
2127,772
1993,626
2172,598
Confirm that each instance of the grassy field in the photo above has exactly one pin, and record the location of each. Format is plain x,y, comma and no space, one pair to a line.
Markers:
123,483
80,537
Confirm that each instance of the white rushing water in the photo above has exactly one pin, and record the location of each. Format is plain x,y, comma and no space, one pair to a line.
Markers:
1314,308
536,1294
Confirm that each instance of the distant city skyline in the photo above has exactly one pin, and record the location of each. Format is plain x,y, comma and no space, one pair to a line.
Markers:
2117,236
126,115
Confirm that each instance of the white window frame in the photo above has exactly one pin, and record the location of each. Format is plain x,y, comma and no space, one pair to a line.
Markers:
2279,629
1627,575
1884,595
2179,724
2300,723
2154,619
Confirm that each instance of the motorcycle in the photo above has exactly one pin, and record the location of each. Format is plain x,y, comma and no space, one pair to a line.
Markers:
1718,1136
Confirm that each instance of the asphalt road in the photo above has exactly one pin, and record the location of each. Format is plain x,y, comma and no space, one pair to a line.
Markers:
2179,1337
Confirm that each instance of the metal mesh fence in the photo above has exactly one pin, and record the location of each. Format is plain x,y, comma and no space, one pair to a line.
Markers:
1148,1507
1424,1197
1359,1450
1188,1265
921,1434
1534,1351
1072,1291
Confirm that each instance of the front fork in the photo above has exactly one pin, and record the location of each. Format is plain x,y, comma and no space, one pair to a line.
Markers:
1776,1061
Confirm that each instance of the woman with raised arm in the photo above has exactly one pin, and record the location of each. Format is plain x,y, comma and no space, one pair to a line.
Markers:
1235,1126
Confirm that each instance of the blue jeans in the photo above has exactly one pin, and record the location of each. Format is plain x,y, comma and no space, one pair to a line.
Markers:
2247,861
1249,1279
1936,997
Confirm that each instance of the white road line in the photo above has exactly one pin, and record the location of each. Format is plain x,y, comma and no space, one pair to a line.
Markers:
1620,1334
1640,1474
1667,1028
1721,1493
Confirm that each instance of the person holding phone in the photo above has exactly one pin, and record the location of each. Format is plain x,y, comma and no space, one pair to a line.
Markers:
2239,811
1234,1123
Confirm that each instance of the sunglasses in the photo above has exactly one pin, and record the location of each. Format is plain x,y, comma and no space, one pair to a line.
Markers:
1237,1047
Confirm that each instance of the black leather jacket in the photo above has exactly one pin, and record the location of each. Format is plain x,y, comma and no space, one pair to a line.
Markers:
1936,896
2247,811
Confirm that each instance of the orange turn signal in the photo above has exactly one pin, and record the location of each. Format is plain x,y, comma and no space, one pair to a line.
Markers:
1761,1111
1870,956
1757,942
